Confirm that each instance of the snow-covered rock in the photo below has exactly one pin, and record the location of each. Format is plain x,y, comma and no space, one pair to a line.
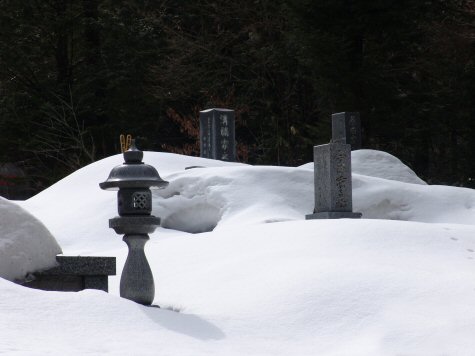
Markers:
26,245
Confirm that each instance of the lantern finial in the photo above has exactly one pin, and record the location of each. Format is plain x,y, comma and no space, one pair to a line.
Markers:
133,154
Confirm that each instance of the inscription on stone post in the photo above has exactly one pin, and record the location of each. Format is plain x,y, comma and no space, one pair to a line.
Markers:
346,128
332,180
217,138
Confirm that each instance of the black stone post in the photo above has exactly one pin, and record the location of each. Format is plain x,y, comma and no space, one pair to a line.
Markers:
217,137
346,128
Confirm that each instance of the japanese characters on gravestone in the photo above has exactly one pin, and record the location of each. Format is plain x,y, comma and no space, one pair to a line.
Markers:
217,138
332,180
346,128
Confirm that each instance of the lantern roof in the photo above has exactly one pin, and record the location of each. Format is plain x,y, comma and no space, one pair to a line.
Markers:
133,173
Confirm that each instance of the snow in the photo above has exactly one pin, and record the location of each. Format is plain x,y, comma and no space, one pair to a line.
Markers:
26,245
382,165
387,199
238,270
379,164
80,222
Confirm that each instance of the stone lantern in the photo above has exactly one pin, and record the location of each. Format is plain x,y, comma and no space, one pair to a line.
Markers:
133,180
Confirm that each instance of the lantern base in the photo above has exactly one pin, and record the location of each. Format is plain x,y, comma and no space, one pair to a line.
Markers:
134,224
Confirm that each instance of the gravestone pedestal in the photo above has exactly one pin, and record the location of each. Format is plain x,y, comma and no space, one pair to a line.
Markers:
333,215
332,175
217,138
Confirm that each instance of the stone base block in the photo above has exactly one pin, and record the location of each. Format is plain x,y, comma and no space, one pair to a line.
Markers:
334,215
134,224
74,274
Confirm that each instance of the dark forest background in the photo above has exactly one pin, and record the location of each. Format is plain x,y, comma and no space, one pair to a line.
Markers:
74,75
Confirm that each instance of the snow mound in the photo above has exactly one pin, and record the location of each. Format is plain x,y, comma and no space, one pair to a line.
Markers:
379,164
258,284
200,199
223,194
388,199
82,218
25,243
382,165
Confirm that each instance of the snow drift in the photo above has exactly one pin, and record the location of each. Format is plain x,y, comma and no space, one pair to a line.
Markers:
255,278
26,245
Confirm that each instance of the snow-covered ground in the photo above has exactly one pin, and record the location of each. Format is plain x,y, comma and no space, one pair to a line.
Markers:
238,270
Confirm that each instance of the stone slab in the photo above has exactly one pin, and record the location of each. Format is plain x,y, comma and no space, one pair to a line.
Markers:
83,265
58,283
332,181
75,273
333,215
96,282
217,134
134,224
346,128
332,175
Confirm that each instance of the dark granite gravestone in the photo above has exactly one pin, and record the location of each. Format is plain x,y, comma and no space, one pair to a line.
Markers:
217,138
346,128
332,180
74,274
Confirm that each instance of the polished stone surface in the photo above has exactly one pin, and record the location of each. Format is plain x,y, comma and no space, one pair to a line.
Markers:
332,181
75,273
346,128
217,134
334,215
134,224
136,282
